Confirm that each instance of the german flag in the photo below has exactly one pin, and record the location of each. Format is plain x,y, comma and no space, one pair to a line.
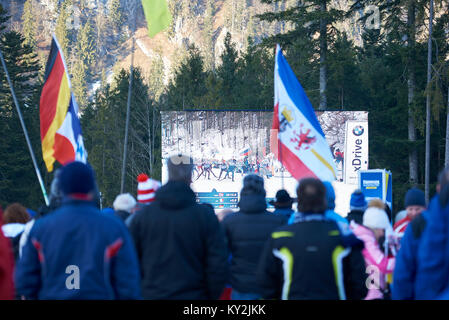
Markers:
54,102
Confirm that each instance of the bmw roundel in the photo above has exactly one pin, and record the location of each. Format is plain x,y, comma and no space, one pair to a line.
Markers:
358,130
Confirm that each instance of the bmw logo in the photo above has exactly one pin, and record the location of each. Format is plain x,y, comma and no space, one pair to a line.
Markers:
358,130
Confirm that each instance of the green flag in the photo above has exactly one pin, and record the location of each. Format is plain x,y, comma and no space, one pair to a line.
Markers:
157,14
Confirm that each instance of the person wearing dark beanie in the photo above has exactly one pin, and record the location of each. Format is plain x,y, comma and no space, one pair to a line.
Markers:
77,180
246,232
81,248
415,204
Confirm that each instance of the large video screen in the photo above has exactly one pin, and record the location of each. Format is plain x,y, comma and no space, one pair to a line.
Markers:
227,145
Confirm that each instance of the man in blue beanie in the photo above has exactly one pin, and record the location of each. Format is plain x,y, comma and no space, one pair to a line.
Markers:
76,252
357,206
414,204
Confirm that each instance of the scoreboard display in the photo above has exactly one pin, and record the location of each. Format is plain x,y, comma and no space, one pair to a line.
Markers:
219,200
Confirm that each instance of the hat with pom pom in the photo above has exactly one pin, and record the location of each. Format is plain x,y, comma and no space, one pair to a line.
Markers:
124,202
146,188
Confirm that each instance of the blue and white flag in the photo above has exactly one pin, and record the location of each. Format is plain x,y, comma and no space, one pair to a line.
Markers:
302,146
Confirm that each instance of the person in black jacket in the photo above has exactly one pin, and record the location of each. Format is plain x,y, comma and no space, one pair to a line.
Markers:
308,259
357,207
180,244
246,232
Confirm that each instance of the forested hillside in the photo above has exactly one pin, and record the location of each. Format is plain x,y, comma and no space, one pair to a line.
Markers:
219,54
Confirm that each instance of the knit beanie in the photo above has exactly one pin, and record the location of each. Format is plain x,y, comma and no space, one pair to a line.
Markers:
146,188
376,218
124,202
77,177
414,197
330,195
358,201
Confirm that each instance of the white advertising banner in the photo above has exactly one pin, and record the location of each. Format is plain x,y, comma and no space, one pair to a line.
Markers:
356,150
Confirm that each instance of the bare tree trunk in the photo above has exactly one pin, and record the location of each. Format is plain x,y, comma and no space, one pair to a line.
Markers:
323,53
150,151
429,76
446,156
413,154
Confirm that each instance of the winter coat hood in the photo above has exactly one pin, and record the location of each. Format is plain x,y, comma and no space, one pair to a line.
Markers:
11,230
254,203
175,195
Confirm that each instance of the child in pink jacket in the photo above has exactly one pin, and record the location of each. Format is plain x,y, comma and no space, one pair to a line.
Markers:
379,263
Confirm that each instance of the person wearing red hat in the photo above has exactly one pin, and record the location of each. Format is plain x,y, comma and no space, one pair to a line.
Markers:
146,188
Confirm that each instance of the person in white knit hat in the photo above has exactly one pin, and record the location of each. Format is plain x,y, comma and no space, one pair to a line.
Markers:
124,205
376,225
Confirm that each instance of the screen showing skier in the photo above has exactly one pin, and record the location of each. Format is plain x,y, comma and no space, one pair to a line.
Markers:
227,145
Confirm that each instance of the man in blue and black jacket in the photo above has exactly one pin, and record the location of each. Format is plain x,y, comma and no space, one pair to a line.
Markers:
76,252
309,259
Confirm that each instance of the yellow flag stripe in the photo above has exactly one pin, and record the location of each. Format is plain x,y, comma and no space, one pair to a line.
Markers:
319,157
61,111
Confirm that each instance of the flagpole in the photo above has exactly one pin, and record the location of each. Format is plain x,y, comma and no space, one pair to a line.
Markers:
128,104
30,148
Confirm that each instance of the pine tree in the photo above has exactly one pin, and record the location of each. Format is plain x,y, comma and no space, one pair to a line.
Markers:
18,182
310,18
188,84
62,30
28,24
227,71
104,126
115,15
82,69
207,32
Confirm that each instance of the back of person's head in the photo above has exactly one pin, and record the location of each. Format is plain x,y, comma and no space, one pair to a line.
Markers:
282,200
253,185
16,213
124,202
358,202
311,194
77,178
180,168
330,195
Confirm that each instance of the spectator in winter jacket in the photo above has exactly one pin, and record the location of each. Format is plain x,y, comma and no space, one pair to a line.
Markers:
432,272
283,204
123,205
414,204
6,266
15,217
180,243
375,226
357,207
308,259
406,260
76,252
246,232
56,197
